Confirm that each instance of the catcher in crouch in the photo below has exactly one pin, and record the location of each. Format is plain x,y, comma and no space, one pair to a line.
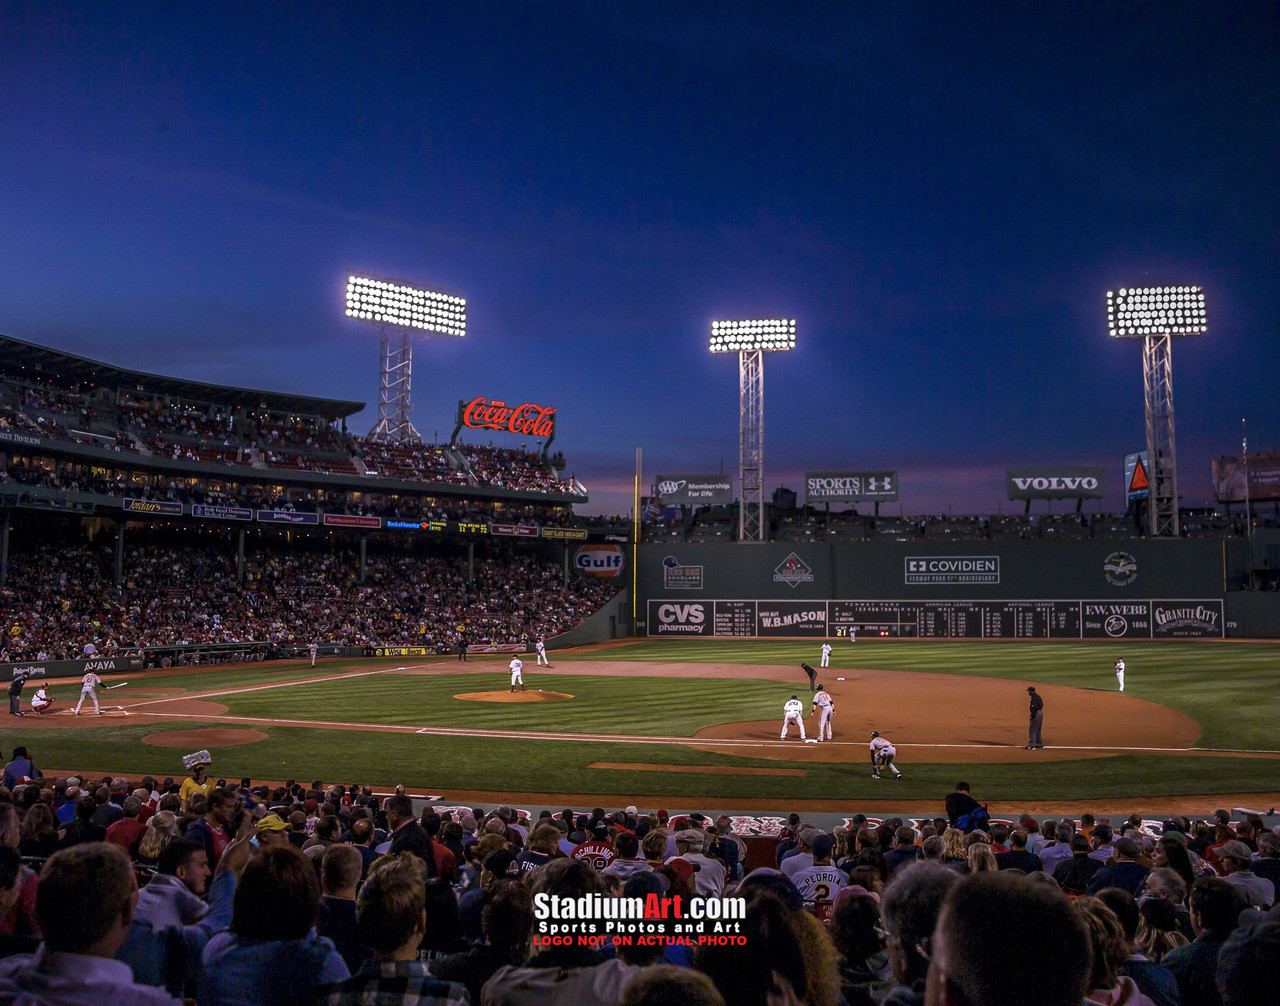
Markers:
882,752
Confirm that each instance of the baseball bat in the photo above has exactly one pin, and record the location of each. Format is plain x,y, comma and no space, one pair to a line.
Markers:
108,688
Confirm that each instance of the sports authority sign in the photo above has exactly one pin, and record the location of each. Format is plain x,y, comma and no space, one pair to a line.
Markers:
850,487
1057,482
691,490
526,419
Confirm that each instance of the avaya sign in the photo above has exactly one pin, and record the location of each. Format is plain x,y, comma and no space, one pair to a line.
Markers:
527,420
1054,483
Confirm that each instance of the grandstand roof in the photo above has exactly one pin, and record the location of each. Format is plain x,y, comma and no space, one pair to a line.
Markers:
16,355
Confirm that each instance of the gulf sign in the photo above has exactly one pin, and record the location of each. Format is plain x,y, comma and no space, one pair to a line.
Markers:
599,560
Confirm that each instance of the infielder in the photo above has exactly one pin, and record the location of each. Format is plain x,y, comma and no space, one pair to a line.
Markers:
882,754
313,650
826,706
1120,673
516,678
89,686
793,712
826,655
40,701
541,647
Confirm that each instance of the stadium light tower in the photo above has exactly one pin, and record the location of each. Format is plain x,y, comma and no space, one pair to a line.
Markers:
751,340
1155,314
398,310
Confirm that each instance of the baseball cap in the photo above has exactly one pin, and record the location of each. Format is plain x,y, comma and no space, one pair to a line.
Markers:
312,805
1030,689
499,862
1235,850
600,829
632,810
663,816
691,836
683,867
822,846
272,822
774,882
875,733
807,835
1175,836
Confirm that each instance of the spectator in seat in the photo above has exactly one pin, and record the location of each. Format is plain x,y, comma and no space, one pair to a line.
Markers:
505,921
1153,981
407,835
39,832
1215,910
628,862
1125,873
910,906
904,849
340,872
709,880
788,958
213,830
172,923
20,919
392,921
1073,875
1237,869
1019,857
11,876
855,931
1249,962
667,985
126,831
1059,850
85,906
1159,930
270,953
1002,939
1267,865
1107,986
561,976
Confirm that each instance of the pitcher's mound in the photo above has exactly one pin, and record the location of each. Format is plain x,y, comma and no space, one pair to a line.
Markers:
214,738
532,695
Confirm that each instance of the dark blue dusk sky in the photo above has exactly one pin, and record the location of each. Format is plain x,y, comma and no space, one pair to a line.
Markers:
940,194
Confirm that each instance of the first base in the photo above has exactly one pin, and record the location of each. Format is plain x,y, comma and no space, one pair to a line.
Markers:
811,740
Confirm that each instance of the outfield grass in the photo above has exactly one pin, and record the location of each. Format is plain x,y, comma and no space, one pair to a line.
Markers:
1229,688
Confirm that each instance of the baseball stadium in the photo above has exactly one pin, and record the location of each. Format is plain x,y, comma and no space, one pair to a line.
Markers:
249,579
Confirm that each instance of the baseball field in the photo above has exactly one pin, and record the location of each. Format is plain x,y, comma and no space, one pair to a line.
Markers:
697,722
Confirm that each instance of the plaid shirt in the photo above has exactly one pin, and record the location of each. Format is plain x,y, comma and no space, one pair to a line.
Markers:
393,983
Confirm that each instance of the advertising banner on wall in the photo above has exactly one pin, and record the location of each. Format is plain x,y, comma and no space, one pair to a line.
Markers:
153,506
1137,484
526,419
599,560
221,512
851,487
1054,482
693,490
1263,478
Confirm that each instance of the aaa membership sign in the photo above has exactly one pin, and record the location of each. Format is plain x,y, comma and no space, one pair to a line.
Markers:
654,920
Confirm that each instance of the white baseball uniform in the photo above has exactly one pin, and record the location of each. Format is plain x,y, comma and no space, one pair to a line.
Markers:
313,649
826,655
853,633
1120,673
793,712
40,701
516,678
826,706
89,687
882,755
542,653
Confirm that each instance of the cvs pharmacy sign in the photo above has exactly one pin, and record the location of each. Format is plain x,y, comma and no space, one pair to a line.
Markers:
678,618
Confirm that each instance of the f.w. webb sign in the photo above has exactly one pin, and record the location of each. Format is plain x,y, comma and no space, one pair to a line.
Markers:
1058,482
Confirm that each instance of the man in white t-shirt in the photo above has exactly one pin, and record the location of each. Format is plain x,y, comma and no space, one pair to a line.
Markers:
793,712
516,677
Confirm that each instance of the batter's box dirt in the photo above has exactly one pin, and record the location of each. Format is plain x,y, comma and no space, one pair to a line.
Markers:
529,696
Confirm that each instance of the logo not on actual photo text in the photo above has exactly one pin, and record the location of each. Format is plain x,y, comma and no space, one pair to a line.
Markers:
1120,569
792,570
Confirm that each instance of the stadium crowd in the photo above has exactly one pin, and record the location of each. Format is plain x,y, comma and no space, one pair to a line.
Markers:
299,894
183,589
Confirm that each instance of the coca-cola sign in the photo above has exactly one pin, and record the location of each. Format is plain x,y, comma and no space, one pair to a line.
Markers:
527,419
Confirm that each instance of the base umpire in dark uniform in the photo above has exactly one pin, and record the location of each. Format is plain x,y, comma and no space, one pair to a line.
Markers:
1034,741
